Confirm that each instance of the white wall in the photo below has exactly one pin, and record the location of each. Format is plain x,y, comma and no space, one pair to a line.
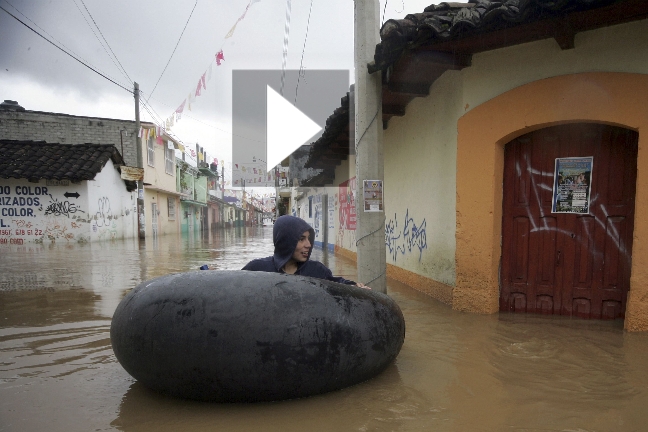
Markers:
420,188
420,148
113,210
42,212
37,212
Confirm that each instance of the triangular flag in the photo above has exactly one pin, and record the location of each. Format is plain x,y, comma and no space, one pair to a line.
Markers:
180,109
230,34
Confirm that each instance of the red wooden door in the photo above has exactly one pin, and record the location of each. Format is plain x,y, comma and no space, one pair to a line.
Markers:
563,263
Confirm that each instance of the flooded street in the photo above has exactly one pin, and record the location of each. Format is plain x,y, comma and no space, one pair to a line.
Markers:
455,372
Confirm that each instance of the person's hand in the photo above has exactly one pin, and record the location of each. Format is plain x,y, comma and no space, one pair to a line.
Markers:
361,285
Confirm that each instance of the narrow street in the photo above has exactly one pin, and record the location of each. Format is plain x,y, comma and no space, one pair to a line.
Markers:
455,372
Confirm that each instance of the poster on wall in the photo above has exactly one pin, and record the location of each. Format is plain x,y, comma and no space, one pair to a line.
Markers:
372,195
572,185
347,204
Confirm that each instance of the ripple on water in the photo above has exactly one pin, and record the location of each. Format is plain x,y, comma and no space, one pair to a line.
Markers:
53,352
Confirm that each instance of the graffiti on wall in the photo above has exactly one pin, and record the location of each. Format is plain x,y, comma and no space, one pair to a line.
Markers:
317,216
60,208
346,198
30,213
406,240
104,223
103,215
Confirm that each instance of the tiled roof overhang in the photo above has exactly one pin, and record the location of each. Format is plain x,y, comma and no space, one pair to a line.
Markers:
418,49
335,144
35,160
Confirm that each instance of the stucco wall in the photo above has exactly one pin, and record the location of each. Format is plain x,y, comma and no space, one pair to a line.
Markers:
112,209
420,160
421,154
156,175
621,48
46,212
166,224
345,239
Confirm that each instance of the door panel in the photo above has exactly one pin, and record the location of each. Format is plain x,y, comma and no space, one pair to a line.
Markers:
560,263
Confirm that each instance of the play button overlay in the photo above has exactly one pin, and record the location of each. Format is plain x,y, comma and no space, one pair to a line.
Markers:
275,115
287,128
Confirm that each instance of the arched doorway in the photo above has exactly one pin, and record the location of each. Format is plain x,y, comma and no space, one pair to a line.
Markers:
574,260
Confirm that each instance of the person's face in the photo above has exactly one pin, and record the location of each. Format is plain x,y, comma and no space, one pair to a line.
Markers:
303,248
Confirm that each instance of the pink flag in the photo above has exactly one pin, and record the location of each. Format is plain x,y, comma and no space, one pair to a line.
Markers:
202,80
198,88
180,109
219,57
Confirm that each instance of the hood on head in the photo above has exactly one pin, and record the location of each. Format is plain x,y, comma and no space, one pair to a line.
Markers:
285,236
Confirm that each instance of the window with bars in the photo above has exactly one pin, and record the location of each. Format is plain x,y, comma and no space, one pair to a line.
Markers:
171,205
169,156
151,152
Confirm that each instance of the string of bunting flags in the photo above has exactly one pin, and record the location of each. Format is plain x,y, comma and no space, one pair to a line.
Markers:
219,57
253,174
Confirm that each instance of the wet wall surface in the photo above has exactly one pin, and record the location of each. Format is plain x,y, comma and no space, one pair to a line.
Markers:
455,372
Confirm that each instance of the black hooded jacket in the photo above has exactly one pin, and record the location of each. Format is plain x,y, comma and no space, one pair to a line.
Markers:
286,233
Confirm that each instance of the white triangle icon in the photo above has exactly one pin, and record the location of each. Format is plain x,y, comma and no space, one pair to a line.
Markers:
287,128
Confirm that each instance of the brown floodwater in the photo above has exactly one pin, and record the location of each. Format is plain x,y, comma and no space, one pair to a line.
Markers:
455,372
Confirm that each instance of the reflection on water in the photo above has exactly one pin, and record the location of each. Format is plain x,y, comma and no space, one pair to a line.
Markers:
456,372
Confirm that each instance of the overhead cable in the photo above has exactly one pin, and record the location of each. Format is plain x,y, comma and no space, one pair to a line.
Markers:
110,54
301,63
174,50
66,52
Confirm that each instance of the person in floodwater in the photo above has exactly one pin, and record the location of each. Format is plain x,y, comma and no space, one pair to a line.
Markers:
292,238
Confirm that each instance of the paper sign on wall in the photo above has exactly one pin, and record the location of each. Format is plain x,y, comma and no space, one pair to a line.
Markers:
572,185
372,195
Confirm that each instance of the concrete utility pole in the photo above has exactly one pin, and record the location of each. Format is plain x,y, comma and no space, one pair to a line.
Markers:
370,228
141,218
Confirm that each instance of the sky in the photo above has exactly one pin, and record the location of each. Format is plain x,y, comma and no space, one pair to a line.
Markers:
140,41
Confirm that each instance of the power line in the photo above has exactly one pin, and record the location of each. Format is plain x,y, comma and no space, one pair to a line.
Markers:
48,34
97,37
104,38
301,63
174,50
75,58
112,57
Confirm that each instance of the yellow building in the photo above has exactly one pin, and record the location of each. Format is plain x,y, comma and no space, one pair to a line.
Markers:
161,199
482,105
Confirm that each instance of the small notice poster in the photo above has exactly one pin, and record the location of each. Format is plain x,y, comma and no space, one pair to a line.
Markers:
572,185
373,195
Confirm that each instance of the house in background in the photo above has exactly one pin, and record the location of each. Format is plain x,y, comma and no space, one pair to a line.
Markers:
64,193
17,123
480,100
192,186
161,195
